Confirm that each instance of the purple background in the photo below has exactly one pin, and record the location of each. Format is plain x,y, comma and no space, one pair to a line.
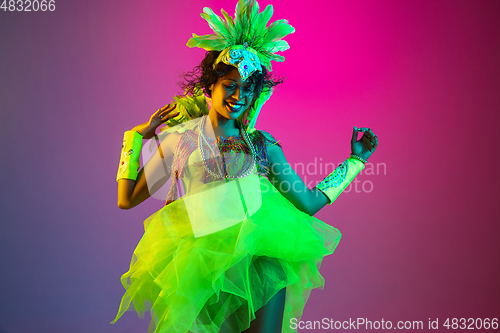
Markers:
424,75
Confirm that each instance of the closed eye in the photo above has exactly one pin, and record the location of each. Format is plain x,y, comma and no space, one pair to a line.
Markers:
247,89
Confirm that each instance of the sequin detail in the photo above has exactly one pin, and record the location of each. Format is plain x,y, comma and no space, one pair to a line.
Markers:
234,158
243,59
335,178
189,142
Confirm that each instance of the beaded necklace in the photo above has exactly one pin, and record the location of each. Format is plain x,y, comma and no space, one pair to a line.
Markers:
226,143
189,142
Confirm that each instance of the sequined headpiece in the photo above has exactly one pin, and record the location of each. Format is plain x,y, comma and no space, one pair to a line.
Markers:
246,42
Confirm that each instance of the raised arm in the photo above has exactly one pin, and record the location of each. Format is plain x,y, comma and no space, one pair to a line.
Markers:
131,192
150,178
291,186
133,188
310,201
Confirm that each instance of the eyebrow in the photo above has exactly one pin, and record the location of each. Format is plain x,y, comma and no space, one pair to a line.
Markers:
246,83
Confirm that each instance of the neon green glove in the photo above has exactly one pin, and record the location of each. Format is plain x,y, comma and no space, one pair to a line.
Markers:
129,160
340,178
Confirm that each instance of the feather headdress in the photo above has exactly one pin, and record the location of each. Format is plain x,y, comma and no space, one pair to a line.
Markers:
247,36
246,42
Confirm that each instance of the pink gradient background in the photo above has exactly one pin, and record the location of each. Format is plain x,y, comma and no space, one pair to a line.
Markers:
424,75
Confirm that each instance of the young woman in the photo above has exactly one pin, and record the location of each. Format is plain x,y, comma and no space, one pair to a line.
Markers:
236,247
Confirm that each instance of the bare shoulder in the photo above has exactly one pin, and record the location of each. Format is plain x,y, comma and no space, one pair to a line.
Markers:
273,146
268,138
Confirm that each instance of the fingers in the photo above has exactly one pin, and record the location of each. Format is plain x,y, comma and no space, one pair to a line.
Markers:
369,137
166,113
167,108
373,140
354,135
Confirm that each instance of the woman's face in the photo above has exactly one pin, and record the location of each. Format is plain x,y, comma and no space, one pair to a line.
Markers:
231,96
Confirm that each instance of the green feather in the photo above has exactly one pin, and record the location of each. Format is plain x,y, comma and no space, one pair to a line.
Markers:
228,18
275,57
266,63
230,23
208,42
252,14
277,30
263,19
278,58
189,108
218,25
279,45
238,15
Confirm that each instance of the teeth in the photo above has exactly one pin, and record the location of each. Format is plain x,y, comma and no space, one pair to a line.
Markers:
235,106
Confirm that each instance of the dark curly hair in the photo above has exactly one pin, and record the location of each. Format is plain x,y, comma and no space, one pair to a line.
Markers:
204,75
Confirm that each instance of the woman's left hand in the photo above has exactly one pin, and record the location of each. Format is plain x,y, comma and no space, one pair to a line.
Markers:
365,146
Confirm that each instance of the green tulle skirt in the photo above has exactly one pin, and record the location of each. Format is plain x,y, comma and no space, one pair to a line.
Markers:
217,282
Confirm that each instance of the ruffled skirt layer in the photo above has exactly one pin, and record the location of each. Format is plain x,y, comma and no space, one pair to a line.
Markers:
216,283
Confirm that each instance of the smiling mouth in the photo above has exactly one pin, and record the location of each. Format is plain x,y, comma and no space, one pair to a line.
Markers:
235,107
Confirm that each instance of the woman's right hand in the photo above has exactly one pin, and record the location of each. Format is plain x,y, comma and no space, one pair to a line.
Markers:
148,129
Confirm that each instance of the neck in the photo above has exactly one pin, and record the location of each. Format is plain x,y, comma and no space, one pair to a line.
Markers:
222,126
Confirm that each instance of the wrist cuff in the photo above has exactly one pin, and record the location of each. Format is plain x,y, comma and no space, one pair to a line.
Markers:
340,178
129,159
